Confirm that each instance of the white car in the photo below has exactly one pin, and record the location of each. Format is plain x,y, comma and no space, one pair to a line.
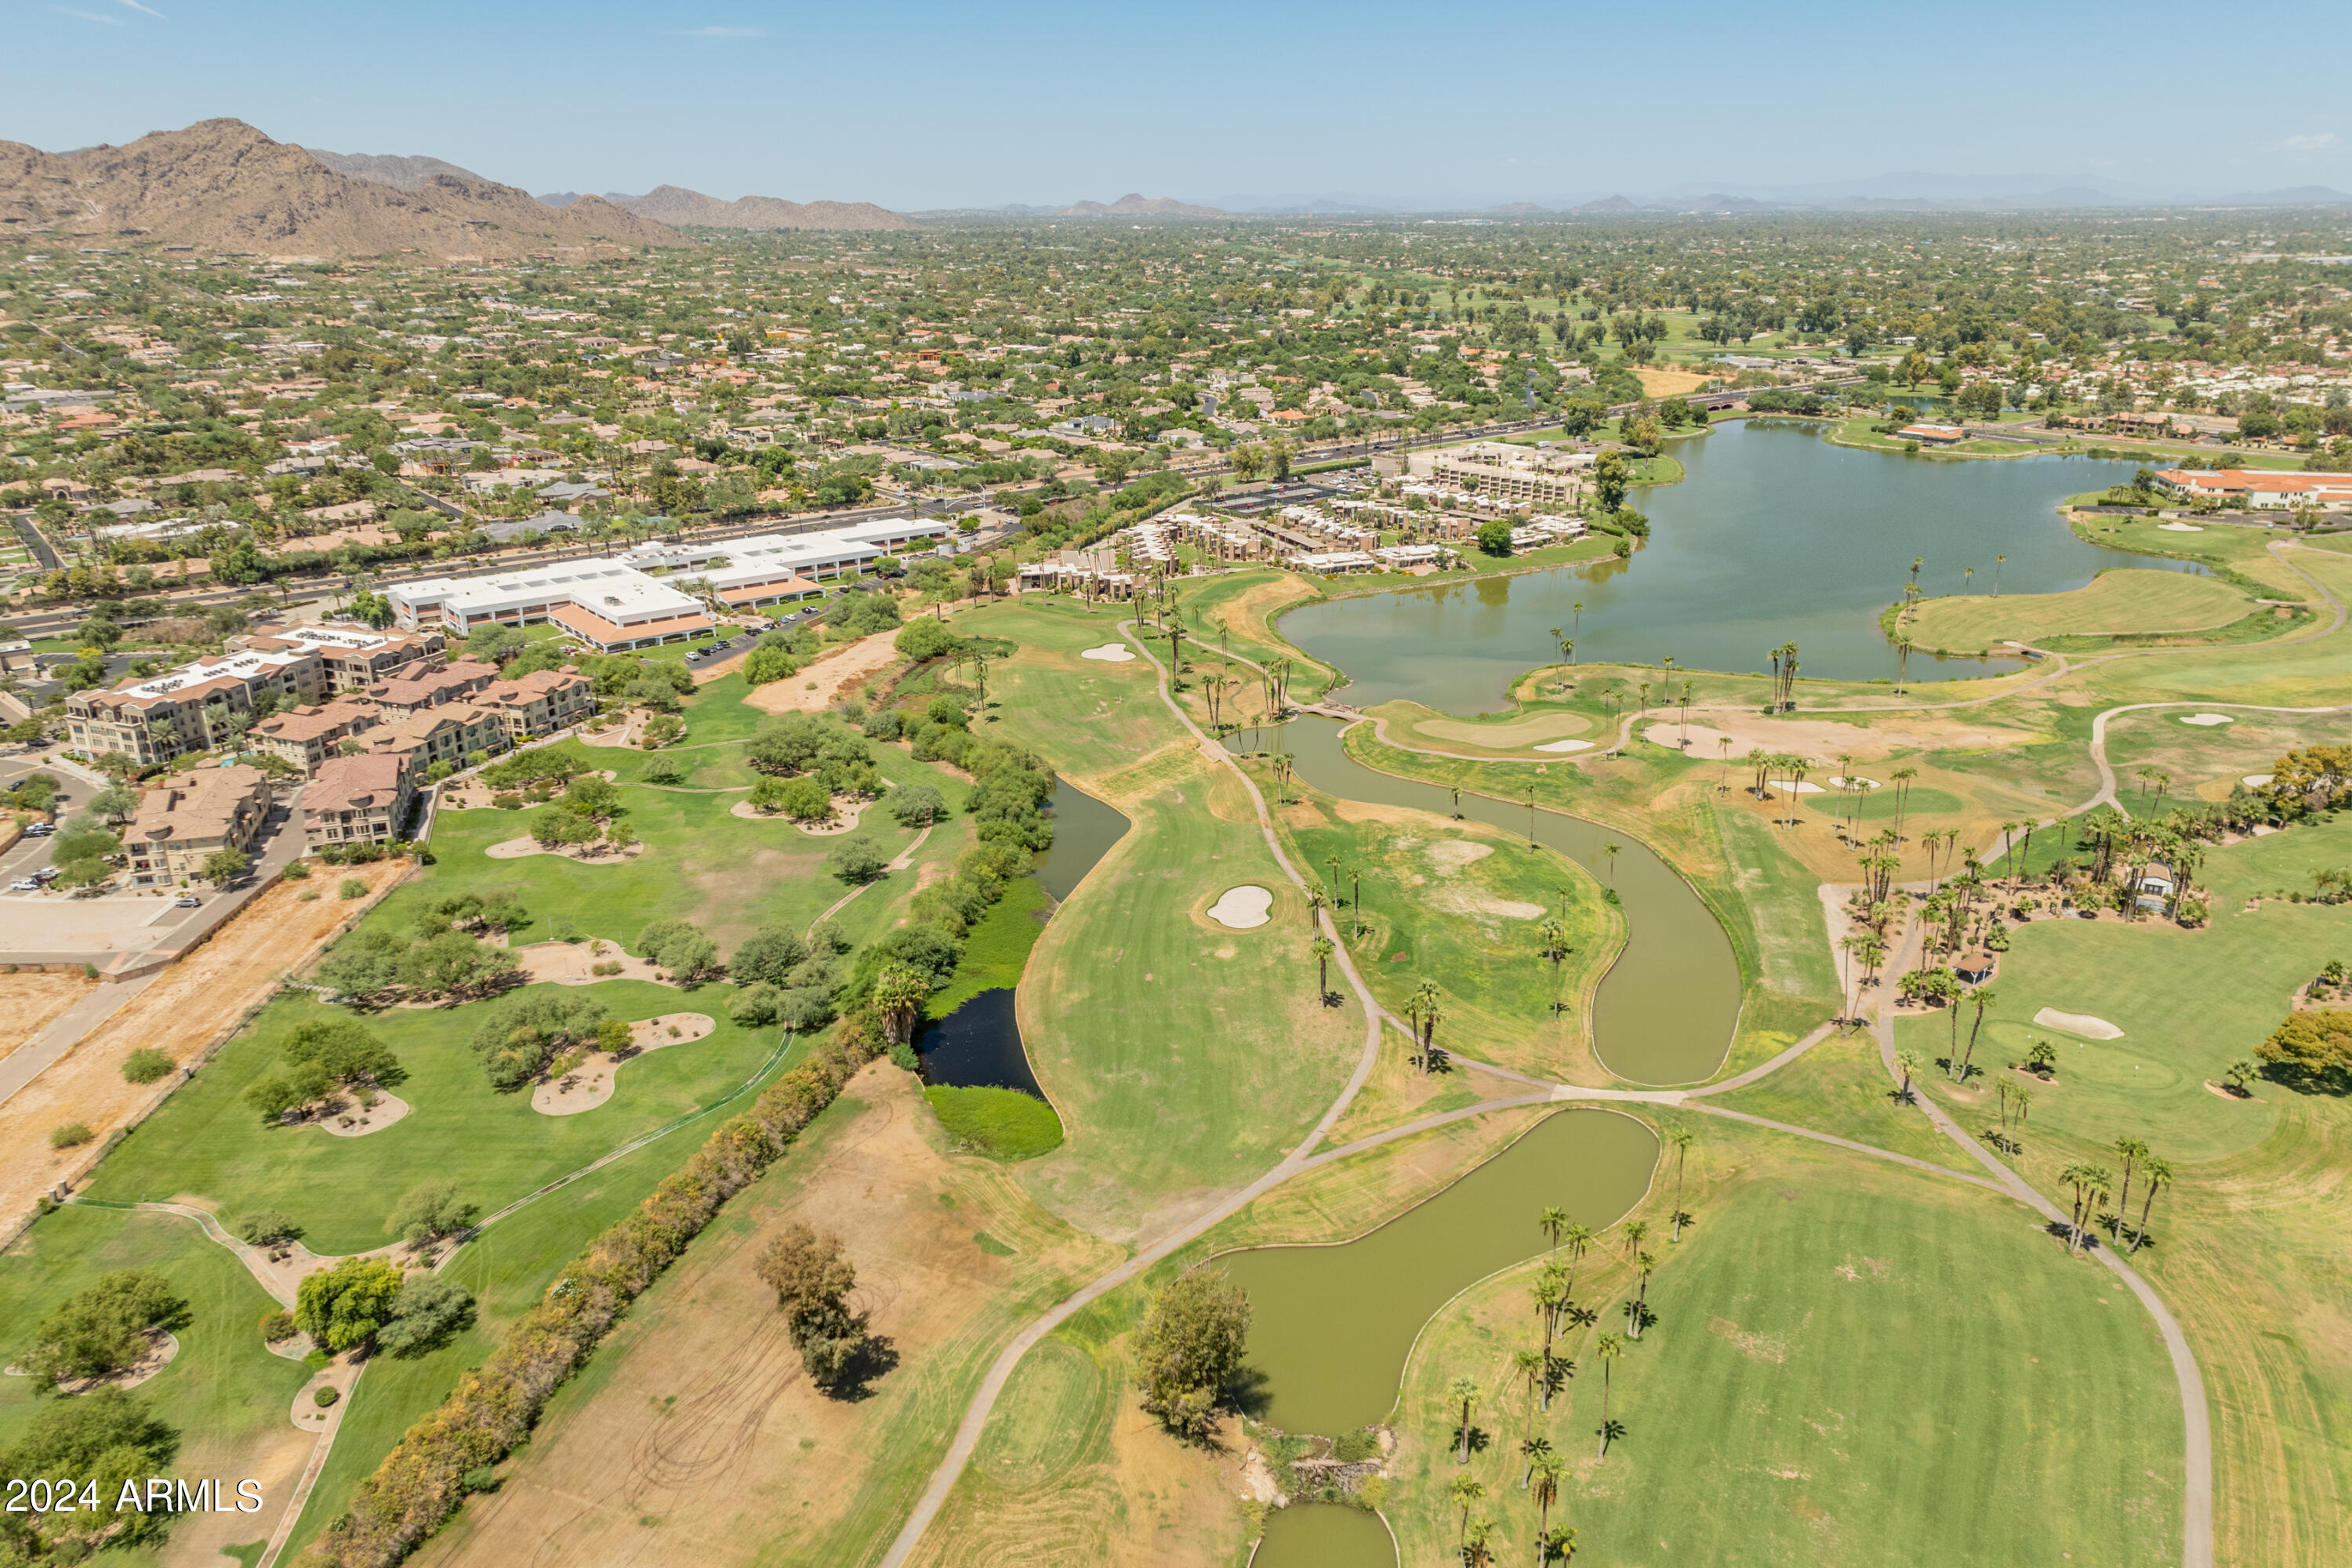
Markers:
24,885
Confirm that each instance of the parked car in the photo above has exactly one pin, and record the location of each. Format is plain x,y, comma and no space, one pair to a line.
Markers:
187,902
24,885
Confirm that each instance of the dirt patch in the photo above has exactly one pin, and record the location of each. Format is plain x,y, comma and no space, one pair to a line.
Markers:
1450,855
2225,1091
1824,739
586,855
185,1010
591,1084
28,1001
162,1349
841,669
846,810
707,1443
357,1120
1755,1346
1669,383
573,963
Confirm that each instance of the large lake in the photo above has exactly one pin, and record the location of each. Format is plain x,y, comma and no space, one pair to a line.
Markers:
1776,535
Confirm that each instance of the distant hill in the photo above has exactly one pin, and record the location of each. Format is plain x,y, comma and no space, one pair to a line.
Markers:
222,185
760,215
1135,206
1607,204
401,174
565,198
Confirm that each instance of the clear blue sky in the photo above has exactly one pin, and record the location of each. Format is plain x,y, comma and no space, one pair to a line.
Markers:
923,104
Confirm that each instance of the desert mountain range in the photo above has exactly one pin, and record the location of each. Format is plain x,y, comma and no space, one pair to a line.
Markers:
1134,204
224,186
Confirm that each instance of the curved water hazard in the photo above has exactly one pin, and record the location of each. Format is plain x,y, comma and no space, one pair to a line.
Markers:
1331,1326
979,1045
1774,534
1666,1009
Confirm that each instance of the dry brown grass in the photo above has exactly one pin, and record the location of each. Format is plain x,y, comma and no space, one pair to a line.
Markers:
28,1001
186,1010
836,672
1670,383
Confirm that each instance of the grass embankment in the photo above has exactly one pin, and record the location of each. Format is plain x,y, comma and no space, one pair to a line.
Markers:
1847,1359
1002,1123
1183,1056
2127,602
2247,1244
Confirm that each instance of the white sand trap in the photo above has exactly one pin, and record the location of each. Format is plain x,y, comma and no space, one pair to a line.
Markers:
2207,720
1110,653
2081,1024
591,1084
1857,782
1565,746
585,855
1808,787
1241,909
2180,527
2256,781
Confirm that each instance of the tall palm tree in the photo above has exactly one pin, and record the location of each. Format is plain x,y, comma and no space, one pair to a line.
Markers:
1426,1002
899,995
1547,1293
1679,1138
1637,1231
2154,1171
1559,1544
1908,1061
1983,997
1465,1490
2131,1151
1551,1222
1322,950
1608,1347
1563,652
1901,779
1463,1391
1579,1237
1642,1266
1545,1485
1555,948
1529,1365
1997,562
1608,861
1477,1546
2089,1182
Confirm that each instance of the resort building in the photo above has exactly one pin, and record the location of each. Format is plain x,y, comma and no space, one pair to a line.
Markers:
358,800
187,818
202,705
1506,472
2258,488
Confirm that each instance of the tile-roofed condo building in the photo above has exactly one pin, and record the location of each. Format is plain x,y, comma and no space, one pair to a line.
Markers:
191,709
358,800
184,819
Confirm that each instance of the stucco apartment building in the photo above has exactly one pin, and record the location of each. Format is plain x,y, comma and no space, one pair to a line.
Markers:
191,709
189,816
1506,472
358,800
430,713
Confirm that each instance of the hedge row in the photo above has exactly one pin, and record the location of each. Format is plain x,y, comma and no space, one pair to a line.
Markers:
421,1482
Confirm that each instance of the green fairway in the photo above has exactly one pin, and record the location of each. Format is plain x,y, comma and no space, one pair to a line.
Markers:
1847,1361
2128,600
206,1145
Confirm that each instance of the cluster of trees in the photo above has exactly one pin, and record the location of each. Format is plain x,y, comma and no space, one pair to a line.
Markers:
681,948
104,1328
858,614
588,813
812,1278
438,960
109,1443
2313,1050
1190,1350
319,1063
780,654
364,1302
807,759
786,980
520,1038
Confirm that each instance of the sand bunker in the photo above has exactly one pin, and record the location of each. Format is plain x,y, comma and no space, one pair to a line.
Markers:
591,1084
1524,731
1824,739
845,813
1241,909
1808,787
1565,746
1110,653
357,1120
2207,720
586,855
2082,1024
2181,527
574,962
2256,781
1857,782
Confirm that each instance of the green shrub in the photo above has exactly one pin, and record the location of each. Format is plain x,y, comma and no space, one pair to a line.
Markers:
72,1135
325,1395
352,888
146,1065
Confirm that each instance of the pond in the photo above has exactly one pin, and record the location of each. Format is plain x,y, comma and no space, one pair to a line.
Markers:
1331,1326
1321,1535
1774,536
978,1046
1666,1009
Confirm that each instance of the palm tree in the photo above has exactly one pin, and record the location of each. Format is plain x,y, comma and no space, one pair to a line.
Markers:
1551,1222
1908,1061
1548,1293
1424,1011
1680,1138
1463,1391
1564,647
1555,948
1997,562
1465,1490
2154,1171
1477,1549
2090,1182
1901,779
1579,1237
1642,1266
1608,1347
2132,1150
1322,950
1608,861
1984,997
1636,1232
1314,903
899,995
1559,1542
1545,1484
1529,1365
